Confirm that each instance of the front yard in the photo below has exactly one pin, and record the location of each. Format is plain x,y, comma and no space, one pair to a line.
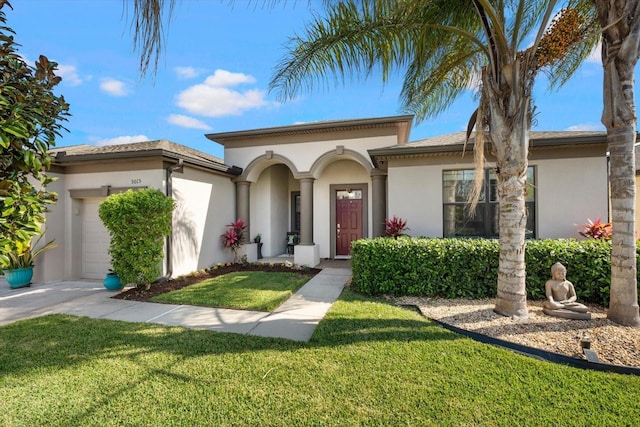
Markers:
248,290
367,363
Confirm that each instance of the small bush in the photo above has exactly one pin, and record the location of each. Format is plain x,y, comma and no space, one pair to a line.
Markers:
233,238
596,229
138,222
468,268
395,227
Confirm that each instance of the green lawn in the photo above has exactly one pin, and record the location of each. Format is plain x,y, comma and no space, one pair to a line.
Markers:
368,363
246,290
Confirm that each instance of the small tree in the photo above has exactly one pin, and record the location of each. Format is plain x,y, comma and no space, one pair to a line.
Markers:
138,222
30,119
233,238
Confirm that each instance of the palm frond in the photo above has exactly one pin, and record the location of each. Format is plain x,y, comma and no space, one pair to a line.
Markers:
149,20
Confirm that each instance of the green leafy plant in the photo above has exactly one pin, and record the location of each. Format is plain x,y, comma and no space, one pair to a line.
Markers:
138,222
30,119
596,229
395,227
26,254
233,238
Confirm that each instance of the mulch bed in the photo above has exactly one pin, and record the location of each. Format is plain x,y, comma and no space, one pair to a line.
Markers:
140,293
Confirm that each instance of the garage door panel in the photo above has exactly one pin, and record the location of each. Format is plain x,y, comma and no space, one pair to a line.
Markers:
95,242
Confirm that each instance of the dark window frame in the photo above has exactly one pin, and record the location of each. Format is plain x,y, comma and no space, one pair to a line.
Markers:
295,211
485,224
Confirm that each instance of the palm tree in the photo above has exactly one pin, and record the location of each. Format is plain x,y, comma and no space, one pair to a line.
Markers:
444,45
620,50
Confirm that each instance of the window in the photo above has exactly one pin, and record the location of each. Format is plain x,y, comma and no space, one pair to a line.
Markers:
456,187
295,211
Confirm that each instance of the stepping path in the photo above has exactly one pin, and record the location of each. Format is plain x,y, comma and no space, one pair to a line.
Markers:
296,319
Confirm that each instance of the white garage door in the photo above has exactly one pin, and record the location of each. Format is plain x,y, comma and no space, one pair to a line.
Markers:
96,261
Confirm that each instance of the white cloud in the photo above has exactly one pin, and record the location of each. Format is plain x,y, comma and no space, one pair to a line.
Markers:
113,87
214,98
69,74
227,78
586,126
187,72
187,122
121,140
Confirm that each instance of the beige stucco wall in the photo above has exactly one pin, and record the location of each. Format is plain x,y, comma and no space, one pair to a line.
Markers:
205,203
49,266
304,154
569,190
269,209
414,193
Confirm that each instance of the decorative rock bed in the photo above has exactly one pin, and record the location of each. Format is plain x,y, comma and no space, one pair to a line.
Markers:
613,343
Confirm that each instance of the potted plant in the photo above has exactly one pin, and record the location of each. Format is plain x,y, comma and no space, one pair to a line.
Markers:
17,265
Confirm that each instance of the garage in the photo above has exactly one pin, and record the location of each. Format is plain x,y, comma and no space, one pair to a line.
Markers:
96,261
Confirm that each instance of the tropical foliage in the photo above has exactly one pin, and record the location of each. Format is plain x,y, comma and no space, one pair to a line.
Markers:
138,222
26,253
596,229
30,120
234,237
395,227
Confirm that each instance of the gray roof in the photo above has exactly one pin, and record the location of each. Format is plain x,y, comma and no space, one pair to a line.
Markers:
162,148
402,122
455,142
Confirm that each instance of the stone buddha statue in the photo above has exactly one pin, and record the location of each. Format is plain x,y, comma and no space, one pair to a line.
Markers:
561,296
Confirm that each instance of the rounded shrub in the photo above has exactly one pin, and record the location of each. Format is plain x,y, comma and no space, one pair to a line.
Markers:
138,221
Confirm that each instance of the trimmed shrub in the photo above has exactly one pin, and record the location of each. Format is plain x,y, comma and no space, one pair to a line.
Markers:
468,268
138,222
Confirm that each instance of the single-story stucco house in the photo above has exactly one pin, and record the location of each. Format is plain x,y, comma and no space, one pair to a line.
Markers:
328,182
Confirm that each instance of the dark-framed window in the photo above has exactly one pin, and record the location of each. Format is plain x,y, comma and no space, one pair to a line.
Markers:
457,185
295,211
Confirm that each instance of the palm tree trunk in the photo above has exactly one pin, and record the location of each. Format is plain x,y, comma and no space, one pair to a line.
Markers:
512,294
620,48
623,298
509,129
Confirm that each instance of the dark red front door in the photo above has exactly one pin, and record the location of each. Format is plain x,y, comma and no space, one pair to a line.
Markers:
348,220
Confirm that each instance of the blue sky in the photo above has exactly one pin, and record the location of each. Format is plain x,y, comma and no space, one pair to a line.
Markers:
214,73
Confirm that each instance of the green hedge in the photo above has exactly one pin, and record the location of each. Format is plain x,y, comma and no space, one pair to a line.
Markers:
467,268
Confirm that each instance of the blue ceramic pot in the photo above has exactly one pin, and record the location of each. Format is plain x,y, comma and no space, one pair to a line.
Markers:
112,282
19,277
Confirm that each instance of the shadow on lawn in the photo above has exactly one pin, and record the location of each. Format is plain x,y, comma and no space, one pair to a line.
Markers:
64,340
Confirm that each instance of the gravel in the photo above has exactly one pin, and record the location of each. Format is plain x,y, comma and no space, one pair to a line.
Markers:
616,344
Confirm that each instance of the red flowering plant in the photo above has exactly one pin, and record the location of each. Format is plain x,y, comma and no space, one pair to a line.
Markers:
395,227
233,238
596,230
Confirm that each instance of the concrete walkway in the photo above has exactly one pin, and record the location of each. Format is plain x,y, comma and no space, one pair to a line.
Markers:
296,319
